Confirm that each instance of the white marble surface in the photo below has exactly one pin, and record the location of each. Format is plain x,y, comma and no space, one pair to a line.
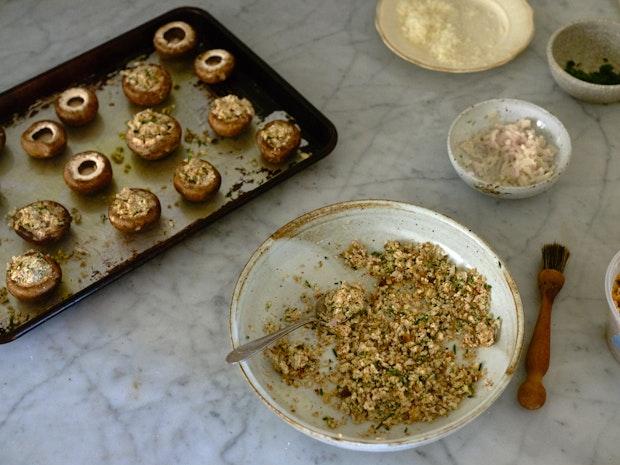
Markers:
135,374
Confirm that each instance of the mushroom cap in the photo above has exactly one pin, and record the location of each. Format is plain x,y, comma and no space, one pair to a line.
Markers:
77,115
44,139
25,290
153,135
229,129
230,115
147,84
41,222
214,66
174,39
277,140
88,172
133,210
196,180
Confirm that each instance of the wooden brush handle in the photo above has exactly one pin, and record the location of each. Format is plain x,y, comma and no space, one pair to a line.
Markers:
532,394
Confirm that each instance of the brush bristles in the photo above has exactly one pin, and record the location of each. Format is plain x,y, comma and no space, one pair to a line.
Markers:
555,257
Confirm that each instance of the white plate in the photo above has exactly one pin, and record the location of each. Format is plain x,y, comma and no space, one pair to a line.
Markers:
494,32
267,285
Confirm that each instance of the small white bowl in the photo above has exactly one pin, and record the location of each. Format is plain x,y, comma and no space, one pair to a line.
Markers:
482,116
587,43
613,321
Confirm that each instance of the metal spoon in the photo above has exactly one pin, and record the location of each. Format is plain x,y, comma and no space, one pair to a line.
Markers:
245,351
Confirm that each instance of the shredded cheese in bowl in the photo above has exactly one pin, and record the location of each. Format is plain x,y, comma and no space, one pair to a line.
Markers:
509,154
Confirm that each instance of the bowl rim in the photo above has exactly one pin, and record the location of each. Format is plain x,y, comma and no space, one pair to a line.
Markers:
555,66
609,278
425,65
499,189
337,439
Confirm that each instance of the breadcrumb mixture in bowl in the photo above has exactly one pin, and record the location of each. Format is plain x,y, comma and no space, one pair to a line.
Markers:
395,347
380,372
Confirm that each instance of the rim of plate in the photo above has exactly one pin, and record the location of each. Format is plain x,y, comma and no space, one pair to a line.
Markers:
435,67
290,230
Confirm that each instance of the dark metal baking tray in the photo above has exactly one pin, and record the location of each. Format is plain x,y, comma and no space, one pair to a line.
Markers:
95,254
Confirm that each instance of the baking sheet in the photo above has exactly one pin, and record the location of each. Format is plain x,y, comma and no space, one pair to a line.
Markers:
95,253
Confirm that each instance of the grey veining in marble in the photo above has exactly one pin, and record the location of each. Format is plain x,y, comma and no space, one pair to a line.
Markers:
136,373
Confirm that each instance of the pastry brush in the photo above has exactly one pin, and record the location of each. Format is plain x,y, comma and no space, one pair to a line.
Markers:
532,393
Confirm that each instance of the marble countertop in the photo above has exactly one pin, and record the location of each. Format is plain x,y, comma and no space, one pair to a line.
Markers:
136,375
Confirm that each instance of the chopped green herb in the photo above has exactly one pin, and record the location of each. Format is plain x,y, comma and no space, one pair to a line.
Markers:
605,75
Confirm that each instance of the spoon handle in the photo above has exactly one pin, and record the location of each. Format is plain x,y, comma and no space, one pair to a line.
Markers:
247,350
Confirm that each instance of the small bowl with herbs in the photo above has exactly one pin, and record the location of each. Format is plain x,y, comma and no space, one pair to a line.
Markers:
584,58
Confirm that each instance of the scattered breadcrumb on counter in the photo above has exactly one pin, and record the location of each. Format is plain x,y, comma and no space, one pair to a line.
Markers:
403,352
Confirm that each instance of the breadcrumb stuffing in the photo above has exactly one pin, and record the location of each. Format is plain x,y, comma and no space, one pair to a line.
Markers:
277,134
393,351
132,203
149,127
29,269
40,218
196,171
144,77
230,108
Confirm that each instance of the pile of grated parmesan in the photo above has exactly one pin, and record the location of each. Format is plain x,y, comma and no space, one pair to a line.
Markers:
429,23
511,154
452,33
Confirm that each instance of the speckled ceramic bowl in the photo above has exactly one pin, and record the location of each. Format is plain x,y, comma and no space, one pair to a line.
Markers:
586,43
307,250
482,116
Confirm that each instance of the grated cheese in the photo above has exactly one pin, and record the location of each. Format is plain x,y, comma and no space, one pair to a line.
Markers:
453,33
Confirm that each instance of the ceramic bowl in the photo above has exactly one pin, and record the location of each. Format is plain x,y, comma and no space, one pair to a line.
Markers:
499,29
612,332
587,43
308,247
485,114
